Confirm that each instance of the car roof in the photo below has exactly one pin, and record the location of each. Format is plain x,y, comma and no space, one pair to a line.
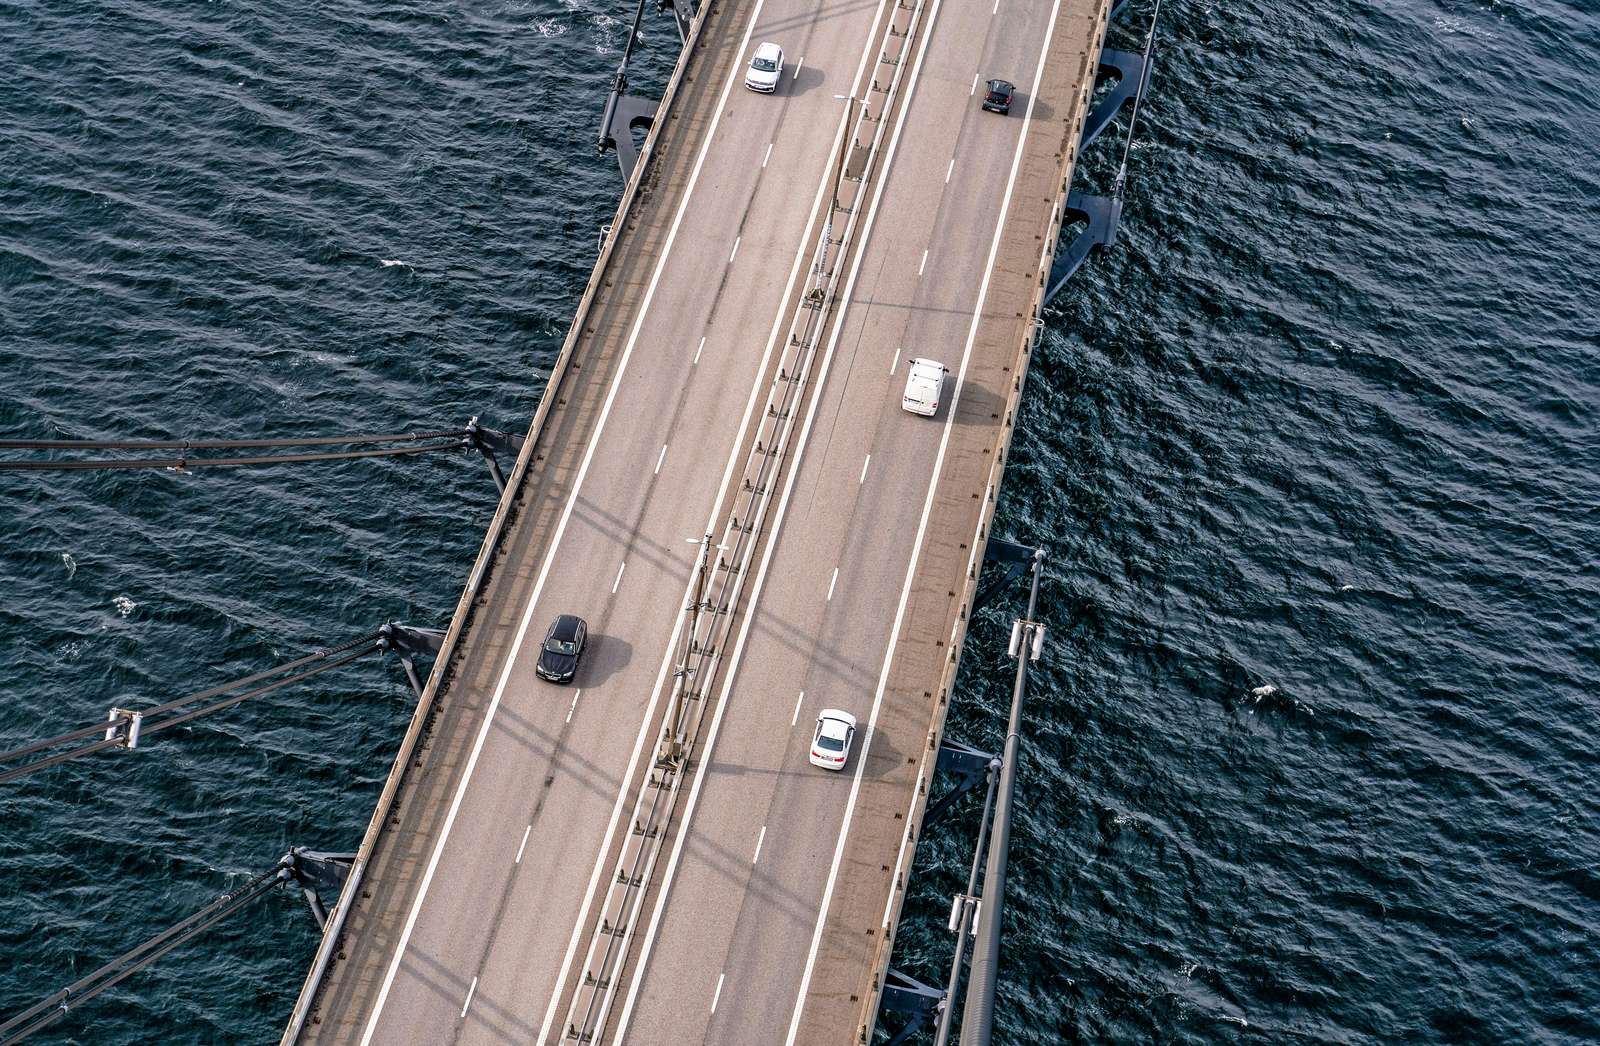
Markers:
768,50
566,626
1000,85
837,715
924,366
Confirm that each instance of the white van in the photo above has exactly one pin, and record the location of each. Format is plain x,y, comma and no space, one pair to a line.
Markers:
924,387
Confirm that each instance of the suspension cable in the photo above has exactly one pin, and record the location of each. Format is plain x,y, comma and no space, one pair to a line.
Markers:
1133,117
295,671
52,1008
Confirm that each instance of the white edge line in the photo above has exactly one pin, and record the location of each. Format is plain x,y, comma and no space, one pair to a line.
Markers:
470,992
916,550
544,569
761,575
529,830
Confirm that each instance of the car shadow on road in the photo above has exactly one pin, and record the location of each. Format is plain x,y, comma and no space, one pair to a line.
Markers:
605,657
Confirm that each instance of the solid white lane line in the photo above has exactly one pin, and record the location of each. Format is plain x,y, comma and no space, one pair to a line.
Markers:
974,86
916,548
529,830
643,962
949,170
735,253
549,559
659,459
797,66
831,582
759,840
864,465
767,157
469,996
796,717
718,994
618,583
924,263
574,706
801,253
698,351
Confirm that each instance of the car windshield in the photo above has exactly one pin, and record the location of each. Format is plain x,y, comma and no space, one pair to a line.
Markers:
829,744
561,646
764,65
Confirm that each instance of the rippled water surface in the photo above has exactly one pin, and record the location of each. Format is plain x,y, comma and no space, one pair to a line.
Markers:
1314,450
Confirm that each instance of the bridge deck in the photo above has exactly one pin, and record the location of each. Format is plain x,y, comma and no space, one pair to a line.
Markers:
770,919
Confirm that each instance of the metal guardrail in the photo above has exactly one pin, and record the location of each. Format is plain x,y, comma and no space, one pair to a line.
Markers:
486,552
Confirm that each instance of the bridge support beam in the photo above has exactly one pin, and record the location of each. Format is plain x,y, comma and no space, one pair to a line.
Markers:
312,870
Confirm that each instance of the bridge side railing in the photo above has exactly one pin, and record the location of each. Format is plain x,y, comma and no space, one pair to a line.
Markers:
461,619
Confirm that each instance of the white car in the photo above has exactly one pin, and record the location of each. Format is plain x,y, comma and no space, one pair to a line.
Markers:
765,69
924,387
830,746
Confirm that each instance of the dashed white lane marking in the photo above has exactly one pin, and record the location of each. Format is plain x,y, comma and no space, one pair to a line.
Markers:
662,457
796,717
924,264
894,364
735,253
698,351
864,465
718,993
767,157
831,582
949,170
974,86
469,996
618,583
529,830
996,7
574,706
797,66
759,840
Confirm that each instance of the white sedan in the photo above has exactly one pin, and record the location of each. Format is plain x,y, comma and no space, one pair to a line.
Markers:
765,69
830,746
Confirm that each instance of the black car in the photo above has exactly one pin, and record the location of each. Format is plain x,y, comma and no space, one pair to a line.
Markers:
998,100
563,645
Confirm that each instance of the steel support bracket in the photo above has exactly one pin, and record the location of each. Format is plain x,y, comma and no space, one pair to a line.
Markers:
903,993
1102,213
682,15
624,114
1016,557
313,869
490,442
1133,76
969,767
409,641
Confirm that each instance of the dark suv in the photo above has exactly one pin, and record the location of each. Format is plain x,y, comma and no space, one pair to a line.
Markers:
563,646
998,98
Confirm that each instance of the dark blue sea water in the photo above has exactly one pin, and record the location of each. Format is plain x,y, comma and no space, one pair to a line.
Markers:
1310,758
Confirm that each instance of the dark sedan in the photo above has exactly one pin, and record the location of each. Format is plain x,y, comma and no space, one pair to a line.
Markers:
563,646
998,97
